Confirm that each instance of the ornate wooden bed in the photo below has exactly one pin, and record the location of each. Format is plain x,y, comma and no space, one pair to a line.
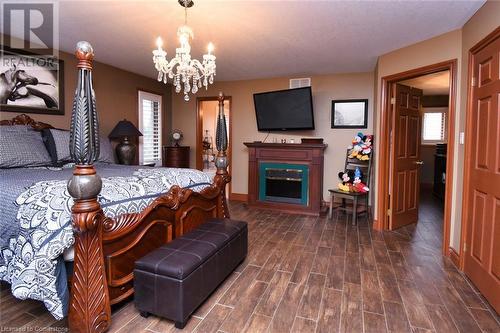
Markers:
105,248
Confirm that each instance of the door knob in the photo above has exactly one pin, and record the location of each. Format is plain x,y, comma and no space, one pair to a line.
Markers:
419,162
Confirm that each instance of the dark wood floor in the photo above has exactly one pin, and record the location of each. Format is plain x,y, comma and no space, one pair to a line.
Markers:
307,274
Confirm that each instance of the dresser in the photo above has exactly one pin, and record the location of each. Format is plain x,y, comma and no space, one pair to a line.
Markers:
176,157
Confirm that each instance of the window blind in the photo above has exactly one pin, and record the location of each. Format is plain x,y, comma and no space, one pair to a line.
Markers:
434,127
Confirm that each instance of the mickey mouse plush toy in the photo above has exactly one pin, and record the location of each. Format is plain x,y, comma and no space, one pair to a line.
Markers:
346,183
357,184
366,148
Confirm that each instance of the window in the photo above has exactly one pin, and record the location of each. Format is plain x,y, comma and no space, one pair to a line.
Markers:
150,127
434,127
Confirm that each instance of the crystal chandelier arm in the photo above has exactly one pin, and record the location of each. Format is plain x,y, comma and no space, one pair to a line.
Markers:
171,64
195,63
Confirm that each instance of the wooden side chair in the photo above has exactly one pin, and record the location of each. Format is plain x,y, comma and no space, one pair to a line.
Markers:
355,197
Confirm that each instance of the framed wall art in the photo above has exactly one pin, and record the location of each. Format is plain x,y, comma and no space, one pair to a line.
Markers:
31,83
350,113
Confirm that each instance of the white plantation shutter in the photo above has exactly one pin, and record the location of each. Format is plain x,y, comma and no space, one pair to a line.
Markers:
150,127
434,127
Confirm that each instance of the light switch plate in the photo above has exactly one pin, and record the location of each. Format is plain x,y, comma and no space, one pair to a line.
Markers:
462,138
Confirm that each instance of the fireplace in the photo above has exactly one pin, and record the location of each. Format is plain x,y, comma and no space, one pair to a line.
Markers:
286,176
283,182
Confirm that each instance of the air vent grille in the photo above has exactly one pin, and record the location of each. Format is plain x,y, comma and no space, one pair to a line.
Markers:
300,82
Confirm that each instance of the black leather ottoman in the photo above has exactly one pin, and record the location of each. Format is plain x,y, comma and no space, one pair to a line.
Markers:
174,280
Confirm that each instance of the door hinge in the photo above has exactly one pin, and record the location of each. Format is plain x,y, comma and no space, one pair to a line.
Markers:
474,81
393,100
389,212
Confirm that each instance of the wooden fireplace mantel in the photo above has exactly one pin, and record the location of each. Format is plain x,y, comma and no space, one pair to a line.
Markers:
309,154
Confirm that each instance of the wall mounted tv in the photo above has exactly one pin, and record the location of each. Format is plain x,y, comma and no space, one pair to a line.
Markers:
283,110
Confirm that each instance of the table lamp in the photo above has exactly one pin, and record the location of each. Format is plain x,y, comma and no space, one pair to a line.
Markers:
125,150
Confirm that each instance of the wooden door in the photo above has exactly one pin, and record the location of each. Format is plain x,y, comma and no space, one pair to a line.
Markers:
482,244
405,155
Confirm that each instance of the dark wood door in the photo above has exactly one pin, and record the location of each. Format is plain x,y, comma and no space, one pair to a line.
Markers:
482,246
405,156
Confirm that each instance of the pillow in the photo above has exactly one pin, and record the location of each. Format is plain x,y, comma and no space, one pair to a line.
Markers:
22,148
57,143
105,151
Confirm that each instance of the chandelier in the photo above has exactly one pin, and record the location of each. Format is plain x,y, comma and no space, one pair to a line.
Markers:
186,74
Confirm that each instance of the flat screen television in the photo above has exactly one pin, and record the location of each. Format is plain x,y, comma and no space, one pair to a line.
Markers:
283,110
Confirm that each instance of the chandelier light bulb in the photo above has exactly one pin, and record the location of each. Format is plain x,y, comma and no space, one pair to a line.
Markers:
183,39
159,43
210,48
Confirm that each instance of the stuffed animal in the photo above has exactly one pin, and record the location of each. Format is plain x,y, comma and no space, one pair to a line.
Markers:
367,144
346,178
355,147
357,139
357,183
361,147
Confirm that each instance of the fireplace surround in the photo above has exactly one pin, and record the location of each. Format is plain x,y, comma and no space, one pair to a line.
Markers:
283,182
286,176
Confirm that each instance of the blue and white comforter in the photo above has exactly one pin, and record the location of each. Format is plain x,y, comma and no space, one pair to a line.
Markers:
31,248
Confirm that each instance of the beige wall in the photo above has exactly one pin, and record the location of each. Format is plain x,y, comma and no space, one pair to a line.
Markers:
244,127
116,96
452,45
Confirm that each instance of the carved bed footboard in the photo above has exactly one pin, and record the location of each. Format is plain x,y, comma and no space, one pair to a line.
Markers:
105,248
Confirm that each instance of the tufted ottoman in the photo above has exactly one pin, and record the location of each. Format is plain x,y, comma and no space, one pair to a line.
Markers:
174,280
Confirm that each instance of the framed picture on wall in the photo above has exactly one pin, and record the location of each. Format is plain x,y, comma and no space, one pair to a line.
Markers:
31,83
350,113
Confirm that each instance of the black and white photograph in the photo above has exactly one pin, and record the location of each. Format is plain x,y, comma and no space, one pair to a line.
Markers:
350,113
31,83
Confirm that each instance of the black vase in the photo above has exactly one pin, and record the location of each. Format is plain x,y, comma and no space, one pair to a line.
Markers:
125,151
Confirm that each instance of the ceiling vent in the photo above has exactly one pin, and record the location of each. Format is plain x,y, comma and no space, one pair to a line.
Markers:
300,82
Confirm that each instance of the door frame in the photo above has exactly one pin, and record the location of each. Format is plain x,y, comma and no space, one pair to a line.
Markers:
199,132
468,141
382,222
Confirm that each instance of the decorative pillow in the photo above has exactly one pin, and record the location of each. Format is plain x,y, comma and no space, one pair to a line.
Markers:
57,143
22,148
105,151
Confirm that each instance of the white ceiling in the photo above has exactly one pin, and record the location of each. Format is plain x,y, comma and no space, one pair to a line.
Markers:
259,39
431,84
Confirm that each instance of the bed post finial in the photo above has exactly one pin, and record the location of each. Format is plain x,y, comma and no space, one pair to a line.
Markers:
84,136
85,54
89,308
221,161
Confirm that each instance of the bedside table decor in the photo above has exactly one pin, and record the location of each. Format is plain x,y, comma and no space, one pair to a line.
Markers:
125,150
176,137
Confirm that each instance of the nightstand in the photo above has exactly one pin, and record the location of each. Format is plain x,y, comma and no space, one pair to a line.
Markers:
176,156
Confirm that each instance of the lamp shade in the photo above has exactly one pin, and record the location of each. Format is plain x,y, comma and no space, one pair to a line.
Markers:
124,128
